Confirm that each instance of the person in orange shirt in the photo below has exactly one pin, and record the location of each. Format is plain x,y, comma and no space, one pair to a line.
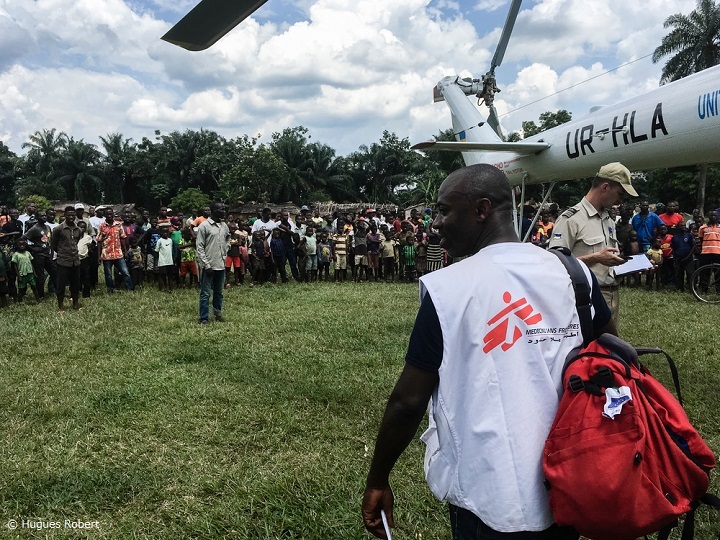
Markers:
709,235
546,223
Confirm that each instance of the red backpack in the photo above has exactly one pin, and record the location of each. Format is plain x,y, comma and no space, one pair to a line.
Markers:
622,459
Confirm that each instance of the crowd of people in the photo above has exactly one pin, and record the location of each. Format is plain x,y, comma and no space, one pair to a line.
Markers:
160,250
675,246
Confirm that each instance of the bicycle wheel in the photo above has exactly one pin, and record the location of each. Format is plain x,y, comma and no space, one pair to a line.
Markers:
705,283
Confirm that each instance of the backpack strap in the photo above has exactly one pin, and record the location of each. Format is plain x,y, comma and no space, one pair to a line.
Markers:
671,363
580,284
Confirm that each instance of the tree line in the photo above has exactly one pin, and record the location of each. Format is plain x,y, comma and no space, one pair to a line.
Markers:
153,172
185,169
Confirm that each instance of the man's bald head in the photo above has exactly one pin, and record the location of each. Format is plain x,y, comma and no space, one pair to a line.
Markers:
482,181
474,210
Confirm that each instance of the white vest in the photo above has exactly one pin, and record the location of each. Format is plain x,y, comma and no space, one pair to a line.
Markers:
508,321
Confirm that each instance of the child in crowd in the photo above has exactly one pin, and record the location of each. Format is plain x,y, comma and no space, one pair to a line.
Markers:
325,255
243,244
422,244
311,266
668,267
538,237
187,258
261,256
152,235
409,257
4,289
361,250
387,247
340,241
682,245
135,262
630,248
22,264
277,248
655,254
434,251
233,260
85,245
374,242
165,263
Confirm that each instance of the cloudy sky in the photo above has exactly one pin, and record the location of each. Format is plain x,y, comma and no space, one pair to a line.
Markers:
345,69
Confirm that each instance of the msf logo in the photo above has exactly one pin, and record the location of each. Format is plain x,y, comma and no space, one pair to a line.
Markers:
499,335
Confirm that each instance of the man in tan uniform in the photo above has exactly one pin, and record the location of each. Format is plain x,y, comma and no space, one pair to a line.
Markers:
589,232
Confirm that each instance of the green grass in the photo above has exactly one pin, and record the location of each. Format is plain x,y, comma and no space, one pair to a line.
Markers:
130,413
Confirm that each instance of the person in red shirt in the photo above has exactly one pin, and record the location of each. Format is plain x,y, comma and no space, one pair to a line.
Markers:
110,249
671,217
667,272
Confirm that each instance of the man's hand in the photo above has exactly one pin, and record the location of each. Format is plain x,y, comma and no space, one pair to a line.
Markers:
607,257
374,500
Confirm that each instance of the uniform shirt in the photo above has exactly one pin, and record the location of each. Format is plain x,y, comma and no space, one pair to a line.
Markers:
584,230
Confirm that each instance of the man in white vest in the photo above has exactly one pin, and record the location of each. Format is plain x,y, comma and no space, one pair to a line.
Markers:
487,351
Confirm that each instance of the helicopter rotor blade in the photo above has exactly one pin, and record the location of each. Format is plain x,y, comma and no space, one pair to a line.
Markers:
209,21
505,36
494,122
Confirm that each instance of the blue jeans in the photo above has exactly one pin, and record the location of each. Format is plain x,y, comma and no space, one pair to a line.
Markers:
467,526
121,266
292,261
211,281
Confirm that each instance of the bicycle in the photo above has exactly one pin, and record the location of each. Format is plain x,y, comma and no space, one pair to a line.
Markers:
705,283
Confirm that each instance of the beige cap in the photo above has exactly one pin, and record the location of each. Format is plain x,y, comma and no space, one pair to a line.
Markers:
617,172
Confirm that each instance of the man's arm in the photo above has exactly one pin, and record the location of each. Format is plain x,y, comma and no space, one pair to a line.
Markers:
403,414
200,248
54,240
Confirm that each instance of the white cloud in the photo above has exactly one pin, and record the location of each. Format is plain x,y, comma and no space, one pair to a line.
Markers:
349,71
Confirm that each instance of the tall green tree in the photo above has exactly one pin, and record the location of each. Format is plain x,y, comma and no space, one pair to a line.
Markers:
116,162
381,168
694,43
291,145
548,120
38,168
46,146
8,175
79,171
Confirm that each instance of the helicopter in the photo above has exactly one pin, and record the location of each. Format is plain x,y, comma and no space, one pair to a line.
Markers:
674,125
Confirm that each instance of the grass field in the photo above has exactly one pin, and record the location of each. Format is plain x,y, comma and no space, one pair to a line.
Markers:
131,414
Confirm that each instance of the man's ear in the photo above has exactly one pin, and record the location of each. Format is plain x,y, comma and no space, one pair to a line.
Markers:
483,208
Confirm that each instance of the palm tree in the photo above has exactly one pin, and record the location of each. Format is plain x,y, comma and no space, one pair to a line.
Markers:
117,152
79,170
46,145
694,42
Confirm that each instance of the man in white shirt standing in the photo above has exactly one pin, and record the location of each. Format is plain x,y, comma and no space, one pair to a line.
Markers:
493,392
